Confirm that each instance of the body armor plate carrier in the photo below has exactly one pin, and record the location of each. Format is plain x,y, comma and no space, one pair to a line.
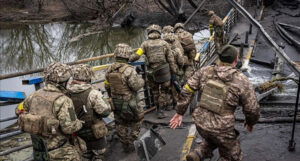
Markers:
213,97
94,128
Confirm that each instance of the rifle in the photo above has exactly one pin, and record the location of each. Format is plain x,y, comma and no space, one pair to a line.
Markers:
176,84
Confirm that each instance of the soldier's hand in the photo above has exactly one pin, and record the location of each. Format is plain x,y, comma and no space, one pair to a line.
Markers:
176,121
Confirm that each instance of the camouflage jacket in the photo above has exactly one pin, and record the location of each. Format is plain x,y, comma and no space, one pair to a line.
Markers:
132,80
216,21
61,110
240,90
95,98
157,52
187,42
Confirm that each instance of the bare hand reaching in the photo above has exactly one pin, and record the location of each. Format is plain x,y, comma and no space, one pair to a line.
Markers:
176,121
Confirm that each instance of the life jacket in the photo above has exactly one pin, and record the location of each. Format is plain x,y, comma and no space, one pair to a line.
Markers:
41,120
93,128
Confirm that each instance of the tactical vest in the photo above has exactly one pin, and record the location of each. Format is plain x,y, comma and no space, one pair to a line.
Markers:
94,128
118,86
83,111
214,96
186,40
41,120
156,53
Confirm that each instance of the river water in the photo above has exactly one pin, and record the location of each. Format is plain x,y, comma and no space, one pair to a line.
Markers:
27,47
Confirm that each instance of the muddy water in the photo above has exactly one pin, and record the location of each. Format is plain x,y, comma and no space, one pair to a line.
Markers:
26,47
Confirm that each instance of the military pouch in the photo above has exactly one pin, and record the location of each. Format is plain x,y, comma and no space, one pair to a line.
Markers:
31,123
162,74
50,126
123,109
213,97
99,129
79,144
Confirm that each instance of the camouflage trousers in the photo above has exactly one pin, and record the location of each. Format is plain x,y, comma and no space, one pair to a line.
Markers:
128,132
162,94
219,38
229,147
65,153
188,72
93,155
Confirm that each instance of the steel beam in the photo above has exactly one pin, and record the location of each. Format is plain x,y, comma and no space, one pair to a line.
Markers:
281,53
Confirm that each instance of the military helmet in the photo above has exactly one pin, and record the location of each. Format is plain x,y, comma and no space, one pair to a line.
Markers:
57,72
228,54
178,26
168,29
123,51
82,72
210,13
169,37
153,28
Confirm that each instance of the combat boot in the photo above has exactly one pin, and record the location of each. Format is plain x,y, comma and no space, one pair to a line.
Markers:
193,156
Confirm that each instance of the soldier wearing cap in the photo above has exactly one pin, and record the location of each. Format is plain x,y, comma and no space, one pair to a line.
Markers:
216,26
49,116
189,47
222,88
123,85
161,65
90,107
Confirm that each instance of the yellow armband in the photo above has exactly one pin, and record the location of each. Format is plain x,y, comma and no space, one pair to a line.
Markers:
106,82
140,52
189,88
21,106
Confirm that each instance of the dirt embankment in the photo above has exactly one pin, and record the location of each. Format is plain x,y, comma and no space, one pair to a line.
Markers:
141,12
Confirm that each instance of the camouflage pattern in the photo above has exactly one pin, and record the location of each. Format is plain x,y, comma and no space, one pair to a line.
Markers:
189,49
82,72
216,25
100,107
68,124
127,130
153,28
229,148
158,52
57,72
168,29
123,51
220,128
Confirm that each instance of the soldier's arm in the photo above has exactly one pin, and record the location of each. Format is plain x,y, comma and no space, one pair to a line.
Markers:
188,92
171,59
135,81
249,102
137,54
98,103
64,109
211,25
181,59
107,85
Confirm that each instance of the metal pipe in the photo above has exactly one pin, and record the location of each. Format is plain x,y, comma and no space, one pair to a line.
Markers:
292,141
267,37
6,152
8,135
8,119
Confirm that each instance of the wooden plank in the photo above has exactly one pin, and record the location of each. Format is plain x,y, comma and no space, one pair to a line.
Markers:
12,96
33,80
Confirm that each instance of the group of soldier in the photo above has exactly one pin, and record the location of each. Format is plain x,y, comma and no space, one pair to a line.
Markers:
65,121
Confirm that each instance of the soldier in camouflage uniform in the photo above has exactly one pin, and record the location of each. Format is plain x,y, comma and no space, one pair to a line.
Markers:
216,26
189,47
181,60
90,107
49,116
222,88
161,64
124,88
